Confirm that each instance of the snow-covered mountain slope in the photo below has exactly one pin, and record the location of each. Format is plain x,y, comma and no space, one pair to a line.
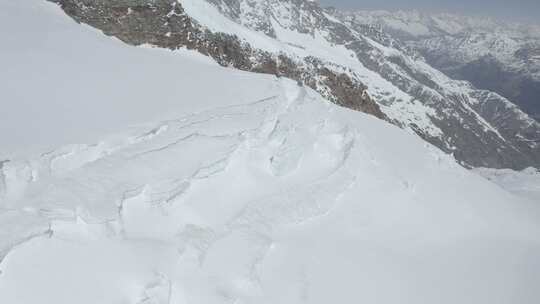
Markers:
524,183
259,193
76,99
498,56
348,65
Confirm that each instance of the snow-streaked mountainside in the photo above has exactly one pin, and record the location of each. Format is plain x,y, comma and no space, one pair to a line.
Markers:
420,24
498,56
354,66
248,189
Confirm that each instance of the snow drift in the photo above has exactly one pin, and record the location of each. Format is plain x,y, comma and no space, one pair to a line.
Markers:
238,188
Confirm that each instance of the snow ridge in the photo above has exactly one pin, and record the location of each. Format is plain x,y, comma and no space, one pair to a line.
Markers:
268,194
350,64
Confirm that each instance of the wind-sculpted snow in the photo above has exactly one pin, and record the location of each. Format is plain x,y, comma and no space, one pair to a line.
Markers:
147,164
284,199
275,196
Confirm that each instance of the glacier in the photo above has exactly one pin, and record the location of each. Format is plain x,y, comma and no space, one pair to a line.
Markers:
228,187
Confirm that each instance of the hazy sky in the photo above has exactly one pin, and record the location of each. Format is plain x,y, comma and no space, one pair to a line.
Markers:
527,10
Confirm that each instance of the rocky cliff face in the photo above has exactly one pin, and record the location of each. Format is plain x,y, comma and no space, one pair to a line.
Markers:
164,23
349,63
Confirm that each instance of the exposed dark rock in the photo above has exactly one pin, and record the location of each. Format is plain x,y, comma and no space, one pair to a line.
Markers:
163,23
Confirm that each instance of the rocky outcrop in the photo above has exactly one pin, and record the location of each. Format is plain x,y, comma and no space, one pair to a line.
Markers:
164,23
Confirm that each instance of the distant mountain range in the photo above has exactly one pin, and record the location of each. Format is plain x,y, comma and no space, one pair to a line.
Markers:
493,55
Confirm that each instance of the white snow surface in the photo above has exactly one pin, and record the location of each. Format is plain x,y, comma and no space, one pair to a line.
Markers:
60,84
231,188
396,103
524,183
